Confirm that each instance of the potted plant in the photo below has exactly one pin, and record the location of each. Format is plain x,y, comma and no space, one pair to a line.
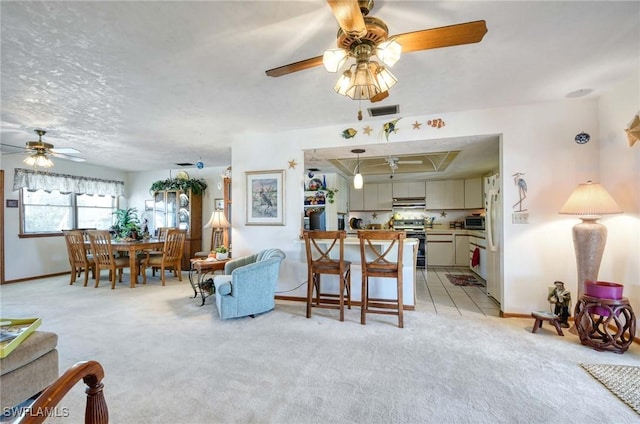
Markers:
127,224
222,253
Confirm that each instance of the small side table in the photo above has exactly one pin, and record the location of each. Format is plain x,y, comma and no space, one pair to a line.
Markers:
204,267
541,316
605,324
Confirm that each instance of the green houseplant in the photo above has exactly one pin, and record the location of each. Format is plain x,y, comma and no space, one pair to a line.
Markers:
127,223
197,186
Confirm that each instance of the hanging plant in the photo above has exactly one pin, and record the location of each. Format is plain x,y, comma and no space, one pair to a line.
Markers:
197,186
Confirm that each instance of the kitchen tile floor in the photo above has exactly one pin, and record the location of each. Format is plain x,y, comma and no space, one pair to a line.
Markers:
434,292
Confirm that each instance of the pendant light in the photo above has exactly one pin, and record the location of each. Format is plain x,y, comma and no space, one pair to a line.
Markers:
357,180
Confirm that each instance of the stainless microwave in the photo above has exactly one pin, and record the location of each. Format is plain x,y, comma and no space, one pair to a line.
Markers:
474,222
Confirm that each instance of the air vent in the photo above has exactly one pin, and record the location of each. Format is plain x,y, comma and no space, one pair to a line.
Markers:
184,164
384,110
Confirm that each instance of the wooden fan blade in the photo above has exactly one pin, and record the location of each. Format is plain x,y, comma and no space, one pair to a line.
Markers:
452,35
295,67
349,16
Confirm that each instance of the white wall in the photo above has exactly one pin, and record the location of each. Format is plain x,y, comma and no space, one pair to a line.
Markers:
620,174
537,140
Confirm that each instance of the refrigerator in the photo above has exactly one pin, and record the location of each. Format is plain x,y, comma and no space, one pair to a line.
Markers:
493,227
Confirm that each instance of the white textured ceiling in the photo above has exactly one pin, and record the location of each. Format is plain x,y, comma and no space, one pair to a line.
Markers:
142,85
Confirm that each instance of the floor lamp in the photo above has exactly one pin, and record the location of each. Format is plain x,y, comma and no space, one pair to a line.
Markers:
589,201
218,222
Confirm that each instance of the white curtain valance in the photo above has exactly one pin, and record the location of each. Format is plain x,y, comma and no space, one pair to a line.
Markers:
49,181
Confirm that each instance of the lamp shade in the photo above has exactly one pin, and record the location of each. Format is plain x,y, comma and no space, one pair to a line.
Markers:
590,200
217,220
38,160
358,181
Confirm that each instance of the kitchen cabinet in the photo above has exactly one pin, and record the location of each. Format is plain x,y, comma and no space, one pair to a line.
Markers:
356,199
409,189
440,249
479,242
461,245
372,197
445,194
473,198
180,209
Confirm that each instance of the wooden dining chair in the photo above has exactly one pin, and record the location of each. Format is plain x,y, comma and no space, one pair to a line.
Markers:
171,256
162,235
322,258
79,259
377,251
103,256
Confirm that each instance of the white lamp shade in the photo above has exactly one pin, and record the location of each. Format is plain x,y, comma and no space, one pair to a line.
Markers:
590,200
358,182
217,220
38,160
363,83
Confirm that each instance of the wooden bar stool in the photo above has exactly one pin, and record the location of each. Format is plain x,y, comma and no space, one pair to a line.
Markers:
377,261
319,246
541,316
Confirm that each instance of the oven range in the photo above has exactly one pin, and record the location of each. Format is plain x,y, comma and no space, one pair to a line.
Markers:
414,229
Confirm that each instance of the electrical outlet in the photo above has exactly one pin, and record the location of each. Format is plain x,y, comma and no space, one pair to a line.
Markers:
520,218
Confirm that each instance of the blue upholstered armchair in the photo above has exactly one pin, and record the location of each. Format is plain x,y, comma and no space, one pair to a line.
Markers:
248,285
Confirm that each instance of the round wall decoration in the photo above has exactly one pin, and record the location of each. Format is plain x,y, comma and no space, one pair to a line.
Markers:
182,175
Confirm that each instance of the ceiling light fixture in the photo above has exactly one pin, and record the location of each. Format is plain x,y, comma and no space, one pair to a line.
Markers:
38,159
368,77
358,182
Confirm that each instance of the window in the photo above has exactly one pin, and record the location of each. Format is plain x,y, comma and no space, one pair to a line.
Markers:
46,213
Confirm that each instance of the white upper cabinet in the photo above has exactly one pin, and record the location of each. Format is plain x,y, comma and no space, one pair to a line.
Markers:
447,194
409,189
473,193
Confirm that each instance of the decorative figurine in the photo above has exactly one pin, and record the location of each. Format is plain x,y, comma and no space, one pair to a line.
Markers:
561,299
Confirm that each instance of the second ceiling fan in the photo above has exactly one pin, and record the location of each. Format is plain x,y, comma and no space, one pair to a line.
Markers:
366,39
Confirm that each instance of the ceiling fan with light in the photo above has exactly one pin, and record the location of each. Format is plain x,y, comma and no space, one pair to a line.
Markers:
366,40
39,152
394,162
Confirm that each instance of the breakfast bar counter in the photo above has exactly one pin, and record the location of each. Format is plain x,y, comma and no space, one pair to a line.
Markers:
378,287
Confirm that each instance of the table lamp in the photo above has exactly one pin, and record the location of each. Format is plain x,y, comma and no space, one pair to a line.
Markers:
589,201
218,222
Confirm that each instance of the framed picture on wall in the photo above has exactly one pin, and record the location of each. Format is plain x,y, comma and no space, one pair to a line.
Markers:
265,197
219,204
148,205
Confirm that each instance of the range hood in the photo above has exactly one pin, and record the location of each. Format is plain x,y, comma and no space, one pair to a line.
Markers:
409,203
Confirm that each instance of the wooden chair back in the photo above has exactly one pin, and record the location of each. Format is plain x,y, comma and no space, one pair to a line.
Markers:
101,248
173,246
78,255
319,254
325,255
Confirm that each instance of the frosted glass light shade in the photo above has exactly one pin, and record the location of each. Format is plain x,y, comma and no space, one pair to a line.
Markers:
333,59
389,52
358,182
38,160
385,79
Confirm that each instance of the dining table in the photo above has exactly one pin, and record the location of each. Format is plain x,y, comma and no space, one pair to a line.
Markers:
132,247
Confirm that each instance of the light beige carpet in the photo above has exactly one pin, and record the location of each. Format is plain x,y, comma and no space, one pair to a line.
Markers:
168,360
623,381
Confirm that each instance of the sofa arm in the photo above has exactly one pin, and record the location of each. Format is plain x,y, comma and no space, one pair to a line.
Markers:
222,284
